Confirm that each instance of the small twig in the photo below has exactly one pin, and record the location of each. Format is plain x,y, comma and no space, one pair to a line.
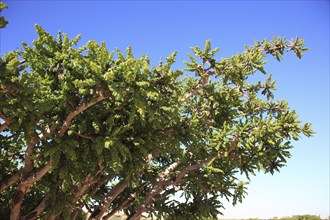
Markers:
83,136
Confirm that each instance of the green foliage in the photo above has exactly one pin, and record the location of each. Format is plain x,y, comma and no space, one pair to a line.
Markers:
3,21
113,128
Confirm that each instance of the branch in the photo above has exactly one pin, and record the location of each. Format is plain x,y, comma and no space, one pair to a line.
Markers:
103,181
28,163
188,169
6,121
3,116
23,188
155,190
88,182
27,157
114,192
49,131
39,209
86,186
198,87
8,90
50,216
126,202
10,181
131,197
83,136
3,126
42,172
67,123
122,205
29,151
160,182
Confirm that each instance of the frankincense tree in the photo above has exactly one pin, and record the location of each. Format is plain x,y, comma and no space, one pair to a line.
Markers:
86,132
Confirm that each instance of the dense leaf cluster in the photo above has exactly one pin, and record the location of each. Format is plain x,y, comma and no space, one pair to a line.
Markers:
3,20
85,130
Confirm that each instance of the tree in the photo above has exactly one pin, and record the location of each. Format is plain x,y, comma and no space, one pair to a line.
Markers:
88,131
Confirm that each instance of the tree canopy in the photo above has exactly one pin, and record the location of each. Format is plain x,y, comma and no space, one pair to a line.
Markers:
86,132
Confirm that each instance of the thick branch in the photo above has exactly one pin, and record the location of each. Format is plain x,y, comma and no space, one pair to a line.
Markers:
121,206
42,136
88,182
6,121
4,117
42,172
10,181
27,157
3,126
114,192
155,190
28,163
161,182
197,88
67,123
23,188
48,131
8,90
103,181
188,169
86,185
126,202
51,216
39,209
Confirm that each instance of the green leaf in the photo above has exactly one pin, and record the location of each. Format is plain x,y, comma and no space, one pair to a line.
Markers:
108,143
71,153
99,148
3,22
142,83
141,112
207,47
95,68
3,6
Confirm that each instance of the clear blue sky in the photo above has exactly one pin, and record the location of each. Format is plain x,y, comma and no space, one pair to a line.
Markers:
159,28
